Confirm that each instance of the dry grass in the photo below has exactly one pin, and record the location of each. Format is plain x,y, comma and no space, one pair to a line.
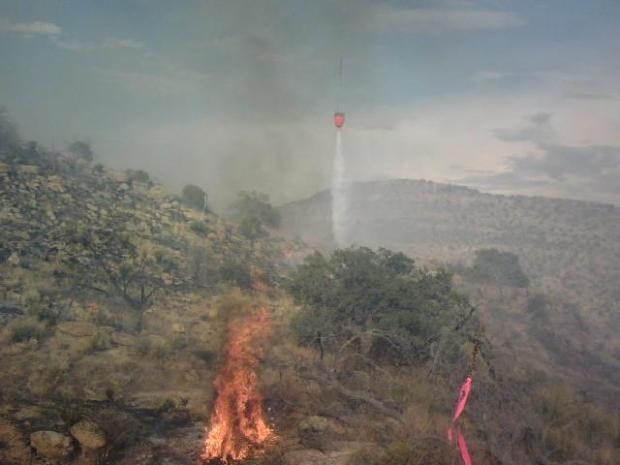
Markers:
419,451
577,430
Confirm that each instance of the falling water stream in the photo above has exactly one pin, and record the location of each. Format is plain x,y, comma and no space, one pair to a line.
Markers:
340,195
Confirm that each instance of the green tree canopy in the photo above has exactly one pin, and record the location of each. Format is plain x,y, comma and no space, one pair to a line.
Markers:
251,228
255,205
377,302
194,197
9,137
81,149
495,267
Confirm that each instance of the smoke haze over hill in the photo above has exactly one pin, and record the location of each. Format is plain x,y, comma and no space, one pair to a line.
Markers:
231,95
570,250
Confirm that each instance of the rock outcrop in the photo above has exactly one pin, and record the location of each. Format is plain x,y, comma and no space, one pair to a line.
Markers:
51,445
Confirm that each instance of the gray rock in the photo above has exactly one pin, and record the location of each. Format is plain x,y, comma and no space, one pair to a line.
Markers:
51,444
13,259
88,434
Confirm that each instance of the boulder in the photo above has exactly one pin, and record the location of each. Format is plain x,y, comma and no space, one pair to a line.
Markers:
51,444
13,260
88,434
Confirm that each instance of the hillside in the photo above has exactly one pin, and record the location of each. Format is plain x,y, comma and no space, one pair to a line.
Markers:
569,249
135,329
114,301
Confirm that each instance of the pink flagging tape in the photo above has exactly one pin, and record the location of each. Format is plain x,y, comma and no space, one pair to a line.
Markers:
458,410
463,396
463,448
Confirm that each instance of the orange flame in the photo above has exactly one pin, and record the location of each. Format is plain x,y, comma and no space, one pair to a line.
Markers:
238,425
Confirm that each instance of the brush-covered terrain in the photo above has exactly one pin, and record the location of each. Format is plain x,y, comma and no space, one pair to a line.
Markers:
564,319
115,303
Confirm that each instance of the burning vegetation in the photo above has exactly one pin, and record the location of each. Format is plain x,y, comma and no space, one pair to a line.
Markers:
238,425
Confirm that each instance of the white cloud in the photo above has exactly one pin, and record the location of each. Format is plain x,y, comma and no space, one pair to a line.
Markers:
122,43
537,129
42,28
108,43
389,18
71,44
590,85
443,140
33,28
489,75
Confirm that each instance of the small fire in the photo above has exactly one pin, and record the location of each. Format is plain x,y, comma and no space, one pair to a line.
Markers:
238,425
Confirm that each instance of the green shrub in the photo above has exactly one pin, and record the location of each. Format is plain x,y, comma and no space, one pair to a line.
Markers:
81,149
200,228
139,176
143,346
207,356
121,429
255,205
495,267
178,343
251,228
377,303
26,329
70,411
236,272
203,266
194,197
167,405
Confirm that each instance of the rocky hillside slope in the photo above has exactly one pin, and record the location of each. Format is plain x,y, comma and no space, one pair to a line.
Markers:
115,303
112,312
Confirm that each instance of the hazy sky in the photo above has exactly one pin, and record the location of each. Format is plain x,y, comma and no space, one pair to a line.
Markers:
512,96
